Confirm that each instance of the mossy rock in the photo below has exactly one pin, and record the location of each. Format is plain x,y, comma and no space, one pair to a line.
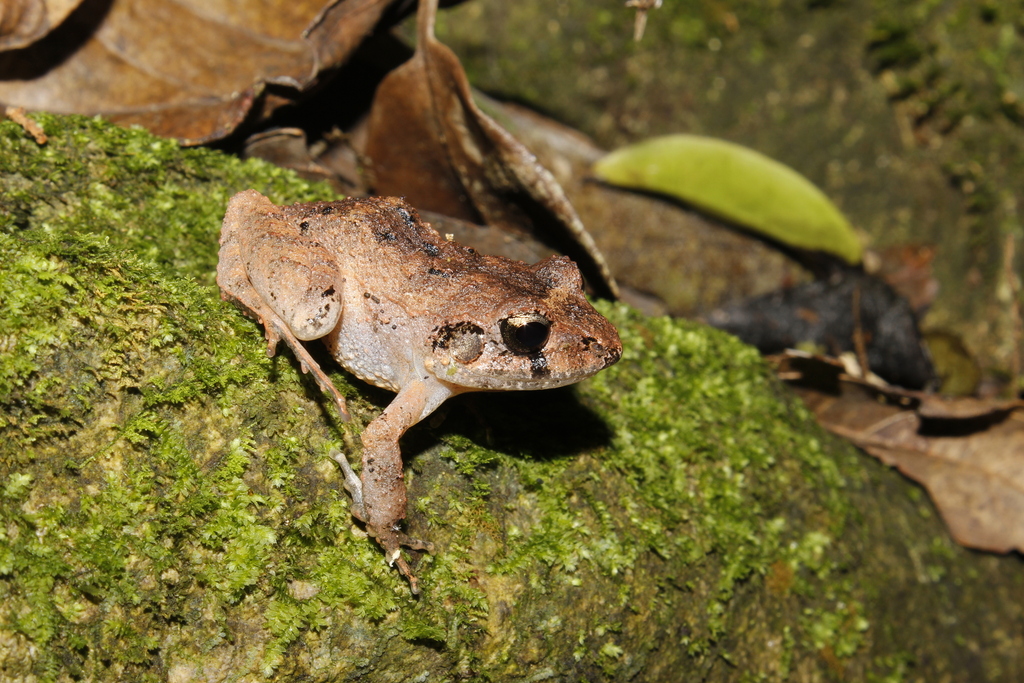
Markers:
169,511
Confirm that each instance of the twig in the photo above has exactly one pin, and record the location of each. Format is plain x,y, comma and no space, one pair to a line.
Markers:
642,6
858,335
1017,331
17,114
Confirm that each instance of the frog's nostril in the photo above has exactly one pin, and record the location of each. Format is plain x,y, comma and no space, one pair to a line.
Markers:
612,356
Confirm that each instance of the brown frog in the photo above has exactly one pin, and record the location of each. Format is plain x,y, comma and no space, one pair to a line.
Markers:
404,309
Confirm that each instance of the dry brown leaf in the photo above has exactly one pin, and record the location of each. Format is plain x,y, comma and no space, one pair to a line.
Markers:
287,148
429,142
23,22
188,69
964,408
968,453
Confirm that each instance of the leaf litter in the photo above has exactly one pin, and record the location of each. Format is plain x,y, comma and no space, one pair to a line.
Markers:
967,452
189,69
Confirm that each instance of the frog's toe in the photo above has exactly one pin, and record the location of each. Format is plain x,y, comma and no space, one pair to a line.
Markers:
414,543
397,559
392,543
392,540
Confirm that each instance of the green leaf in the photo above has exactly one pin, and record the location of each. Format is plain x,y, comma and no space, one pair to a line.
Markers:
737,184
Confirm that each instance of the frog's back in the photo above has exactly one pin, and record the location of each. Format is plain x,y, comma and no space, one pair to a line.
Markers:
376,235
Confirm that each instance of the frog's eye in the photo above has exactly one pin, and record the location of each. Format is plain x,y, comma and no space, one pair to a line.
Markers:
525,332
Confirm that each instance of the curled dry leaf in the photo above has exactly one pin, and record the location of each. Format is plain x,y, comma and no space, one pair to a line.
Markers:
287,148
188,69
968,453
23,22
429,142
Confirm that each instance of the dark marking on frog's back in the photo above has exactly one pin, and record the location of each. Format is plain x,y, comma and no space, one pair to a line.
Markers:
409,219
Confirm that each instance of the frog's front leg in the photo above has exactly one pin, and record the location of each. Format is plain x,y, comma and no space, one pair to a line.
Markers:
379,498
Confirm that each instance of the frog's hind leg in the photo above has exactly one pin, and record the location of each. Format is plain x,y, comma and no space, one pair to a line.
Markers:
281,276
306,362
275,331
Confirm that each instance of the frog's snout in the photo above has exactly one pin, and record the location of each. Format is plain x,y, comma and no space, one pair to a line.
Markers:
605,347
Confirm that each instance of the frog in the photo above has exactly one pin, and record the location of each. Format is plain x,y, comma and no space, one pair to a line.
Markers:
401,307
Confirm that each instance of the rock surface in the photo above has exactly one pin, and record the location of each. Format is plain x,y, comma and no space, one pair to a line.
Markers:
169,511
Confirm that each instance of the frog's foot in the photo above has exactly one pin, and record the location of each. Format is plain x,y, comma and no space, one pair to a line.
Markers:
352,484
392,540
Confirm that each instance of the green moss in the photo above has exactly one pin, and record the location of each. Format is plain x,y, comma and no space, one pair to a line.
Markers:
145,194
169,510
